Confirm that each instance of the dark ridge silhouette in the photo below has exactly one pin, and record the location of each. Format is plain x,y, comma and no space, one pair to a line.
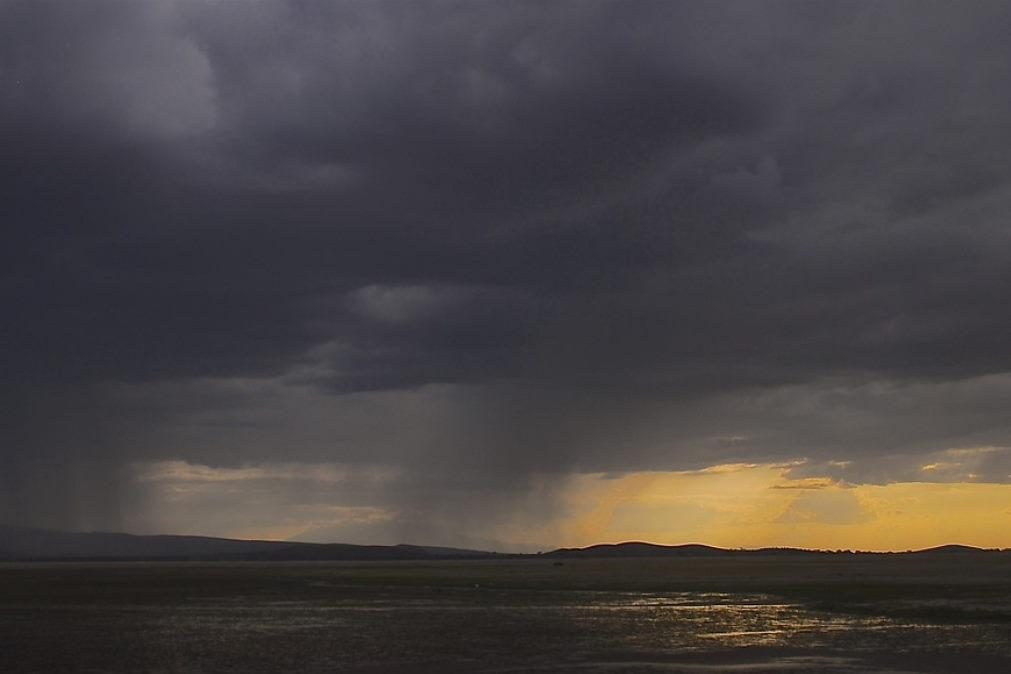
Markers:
27,544
444,551
640,549
21,543
951,549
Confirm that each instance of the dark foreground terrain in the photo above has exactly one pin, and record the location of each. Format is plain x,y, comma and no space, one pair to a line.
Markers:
934,613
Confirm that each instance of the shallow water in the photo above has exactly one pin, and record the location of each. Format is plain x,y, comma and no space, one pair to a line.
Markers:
315,618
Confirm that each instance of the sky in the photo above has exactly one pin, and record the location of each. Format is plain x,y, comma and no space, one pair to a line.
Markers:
508,275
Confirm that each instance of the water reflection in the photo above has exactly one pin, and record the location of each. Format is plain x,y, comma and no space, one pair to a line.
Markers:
574,630
275,626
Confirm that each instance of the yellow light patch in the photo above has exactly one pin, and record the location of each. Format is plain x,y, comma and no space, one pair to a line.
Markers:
755,505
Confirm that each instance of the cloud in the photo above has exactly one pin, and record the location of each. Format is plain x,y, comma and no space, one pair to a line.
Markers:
132,71
959,464
479,243
835,506
182,471
300,501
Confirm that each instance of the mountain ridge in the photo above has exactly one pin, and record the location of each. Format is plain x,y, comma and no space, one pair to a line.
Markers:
645,549
30,544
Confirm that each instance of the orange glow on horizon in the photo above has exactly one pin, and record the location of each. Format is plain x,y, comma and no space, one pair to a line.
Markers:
757,505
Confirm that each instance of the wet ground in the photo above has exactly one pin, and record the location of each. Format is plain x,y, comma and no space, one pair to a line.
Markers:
834,615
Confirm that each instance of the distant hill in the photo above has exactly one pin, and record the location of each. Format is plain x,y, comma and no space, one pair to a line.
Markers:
27,544
20,543
635,549
950,549
640,549
440,551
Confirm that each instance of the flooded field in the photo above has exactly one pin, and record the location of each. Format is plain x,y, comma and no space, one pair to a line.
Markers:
838,614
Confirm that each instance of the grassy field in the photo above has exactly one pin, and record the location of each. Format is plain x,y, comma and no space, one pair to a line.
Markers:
836,613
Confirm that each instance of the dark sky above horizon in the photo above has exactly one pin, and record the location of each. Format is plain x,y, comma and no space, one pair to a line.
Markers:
405,270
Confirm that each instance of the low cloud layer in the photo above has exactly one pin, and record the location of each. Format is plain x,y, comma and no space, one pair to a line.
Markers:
480,244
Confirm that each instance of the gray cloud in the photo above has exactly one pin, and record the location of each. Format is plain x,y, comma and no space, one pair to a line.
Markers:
484,241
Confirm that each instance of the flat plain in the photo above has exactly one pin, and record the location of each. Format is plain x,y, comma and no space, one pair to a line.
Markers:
831,613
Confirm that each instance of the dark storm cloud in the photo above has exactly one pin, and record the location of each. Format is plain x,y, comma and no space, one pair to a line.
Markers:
498,238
